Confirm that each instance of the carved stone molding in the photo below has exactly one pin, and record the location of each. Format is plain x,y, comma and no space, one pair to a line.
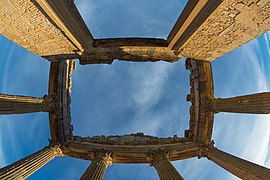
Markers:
104,156
203,149
57,151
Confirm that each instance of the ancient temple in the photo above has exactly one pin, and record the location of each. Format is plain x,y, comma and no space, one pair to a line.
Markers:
204,31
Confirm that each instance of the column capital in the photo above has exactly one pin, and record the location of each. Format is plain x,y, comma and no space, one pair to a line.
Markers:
209,104
51,102
165,169
204,148
57,151
97,168
158,156
104,156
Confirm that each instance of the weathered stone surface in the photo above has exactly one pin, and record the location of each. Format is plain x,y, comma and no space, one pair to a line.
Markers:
237,166
11,104
138,153
132,49
249,104
231,25
131,139
60,83
30,164
23,22
201,93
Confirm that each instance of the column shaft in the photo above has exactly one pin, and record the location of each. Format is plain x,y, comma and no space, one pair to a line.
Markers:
249,104
11,104
237,166
28,165
97,168
165,169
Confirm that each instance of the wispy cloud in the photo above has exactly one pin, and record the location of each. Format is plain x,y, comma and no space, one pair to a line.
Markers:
5,61
146,91
87,10
260,133
267,40
258,146
128,19
131,97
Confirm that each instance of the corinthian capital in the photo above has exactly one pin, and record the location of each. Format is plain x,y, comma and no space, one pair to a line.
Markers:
57,151
104,156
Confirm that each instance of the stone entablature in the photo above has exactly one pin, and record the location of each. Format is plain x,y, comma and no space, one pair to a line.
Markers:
24,23
129,49
67,18
129,153
107,55
60,83
232,24
201,94
131,139
205,30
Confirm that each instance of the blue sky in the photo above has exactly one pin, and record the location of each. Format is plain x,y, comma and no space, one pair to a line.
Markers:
130,97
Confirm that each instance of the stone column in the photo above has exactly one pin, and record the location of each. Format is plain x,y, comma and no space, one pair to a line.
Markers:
237,166
11,104
249,104
97,168
165,169
30,164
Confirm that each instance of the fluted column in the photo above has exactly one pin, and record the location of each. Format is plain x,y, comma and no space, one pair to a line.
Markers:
97,168
11,104
249,104
164,167
30,164
237,166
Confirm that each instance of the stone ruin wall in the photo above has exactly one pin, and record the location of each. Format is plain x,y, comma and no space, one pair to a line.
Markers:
22,22
232,24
